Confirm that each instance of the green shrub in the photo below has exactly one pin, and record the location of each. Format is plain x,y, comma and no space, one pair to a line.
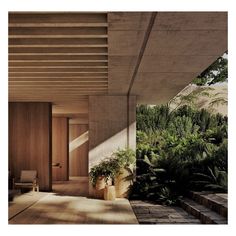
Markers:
172,146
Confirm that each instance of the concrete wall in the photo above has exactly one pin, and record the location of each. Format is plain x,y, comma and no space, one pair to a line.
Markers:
30,140
111,126
60,148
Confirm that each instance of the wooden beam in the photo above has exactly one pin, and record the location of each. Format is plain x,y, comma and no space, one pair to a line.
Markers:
57,17
55,67
56,36
55,64
57,45
58,25
54,99
15,32
36,54
57,70
67,79
58,57
40,83
39,86
56,90
58,50
62,74
56,41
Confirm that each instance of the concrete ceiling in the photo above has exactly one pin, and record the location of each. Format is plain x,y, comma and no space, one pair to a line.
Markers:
65,57
163,52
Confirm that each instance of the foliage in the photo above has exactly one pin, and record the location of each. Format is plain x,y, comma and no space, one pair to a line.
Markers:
124,157
216,72
172,145
107,168
110,167
191,98
215,180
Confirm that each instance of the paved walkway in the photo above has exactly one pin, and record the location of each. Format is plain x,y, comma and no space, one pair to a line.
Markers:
150,213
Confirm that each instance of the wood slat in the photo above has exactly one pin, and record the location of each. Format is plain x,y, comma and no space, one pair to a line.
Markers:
36,55
50,63
58,45
15,32
63,85
48,82
59,96
57,17
55,67
56,41
57,36
62,74
57,70
59,50
56,90
67,79
46,99
54,98
58,57
58,25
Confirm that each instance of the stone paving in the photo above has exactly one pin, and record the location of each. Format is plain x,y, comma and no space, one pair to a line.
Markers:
151,213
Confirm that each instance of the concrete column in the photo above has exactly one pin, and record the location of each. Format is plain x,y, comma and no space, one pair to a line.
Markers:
132,122
112,125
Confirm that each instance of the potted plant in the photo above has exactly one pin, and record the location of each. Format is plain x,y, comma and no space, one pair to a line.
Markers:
102,175
116,170
125,173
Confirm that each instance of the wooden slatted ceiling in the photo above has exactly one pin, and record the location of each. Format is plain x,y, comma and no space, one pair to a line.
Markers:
57,56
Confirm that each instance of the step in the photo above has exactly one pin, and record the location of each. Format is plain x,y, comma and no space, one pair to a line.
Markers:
215,202
201,212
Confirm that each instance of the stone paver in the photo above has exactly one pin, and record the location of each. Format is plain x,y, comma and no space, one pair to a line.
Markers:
151,213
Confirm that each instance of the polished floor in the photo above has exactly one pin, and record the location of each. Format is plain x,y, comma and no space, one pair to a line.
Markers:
68,204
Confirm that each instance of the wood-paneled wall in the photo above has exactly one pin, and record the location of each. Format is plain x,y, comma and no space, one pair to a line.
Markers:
30,136
78,157
60,148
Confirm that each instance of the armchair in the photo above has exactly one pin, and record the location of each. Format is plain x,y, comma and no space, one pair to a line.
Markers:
28,179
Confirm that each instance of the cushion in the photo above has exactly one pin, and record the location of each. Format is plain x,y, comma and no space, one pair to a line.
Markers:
28,176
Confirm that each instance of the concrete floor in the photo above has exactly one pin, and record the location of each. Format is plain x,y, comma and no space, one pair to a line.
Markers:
65,207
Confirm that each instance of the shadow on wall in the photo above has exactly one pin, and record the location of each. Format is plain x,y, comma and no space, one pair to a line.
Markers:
112,125
106,148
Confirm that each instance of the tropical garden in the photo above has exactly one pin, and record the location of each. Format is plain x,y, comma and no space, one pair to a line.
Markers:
183,147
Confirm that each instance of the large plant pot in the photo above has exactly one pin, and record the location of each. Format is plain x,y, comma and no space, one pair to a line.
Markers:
110,193
123,183
100,187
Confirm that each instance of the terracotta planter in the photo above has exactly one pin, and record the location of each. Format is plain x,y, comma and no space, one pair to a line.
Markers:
110,193
122,184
